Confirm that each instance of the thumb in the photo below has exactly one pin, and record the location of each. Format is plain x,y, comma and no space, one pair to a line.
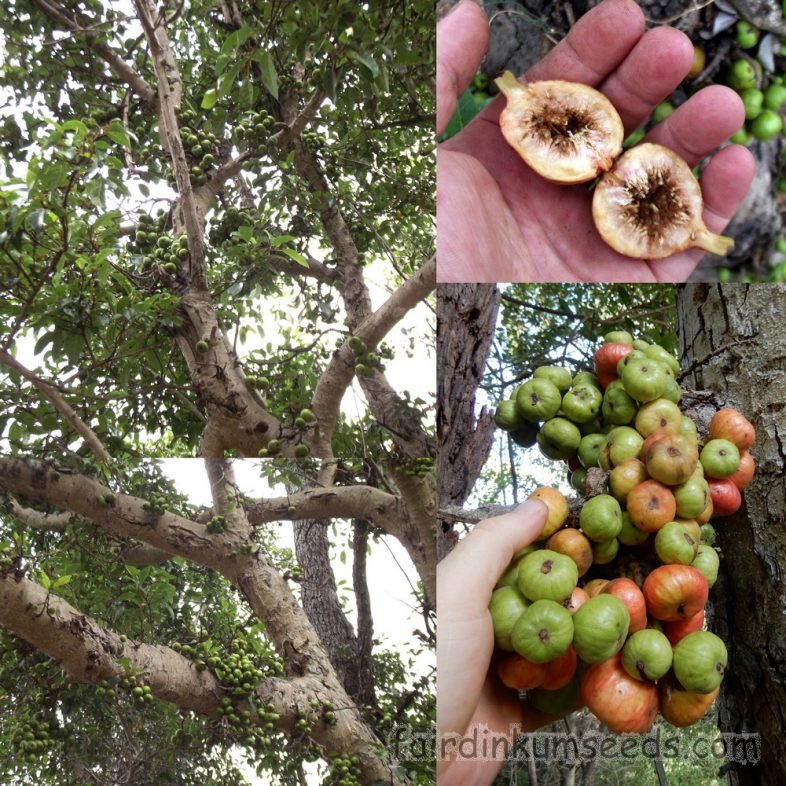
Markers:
462,40
466,577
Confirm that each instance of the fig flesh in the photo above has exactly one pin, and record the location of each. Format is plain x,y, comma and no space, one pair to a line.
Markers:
567,132
649,206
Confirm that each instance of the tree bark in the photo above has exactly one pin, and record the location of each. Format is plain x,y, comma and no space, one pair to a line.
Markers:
748,600
466,316
319,595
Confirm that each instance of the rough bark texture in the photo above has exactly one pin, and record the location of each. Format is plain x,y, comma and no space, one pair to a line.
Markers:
466,315
748,603
319,595
365,634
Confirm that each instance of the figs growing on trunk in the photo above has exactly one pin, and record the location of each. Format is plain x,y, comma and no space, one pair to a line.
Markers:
649,206
567,132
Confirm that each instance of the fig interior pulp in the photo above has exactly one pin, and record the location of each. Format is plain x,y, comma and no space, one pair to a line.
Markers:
647,203
567,132
649,206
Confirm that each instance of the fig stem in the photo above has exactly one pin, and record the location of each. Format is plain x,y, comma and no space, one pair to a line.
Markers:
715,244
508,84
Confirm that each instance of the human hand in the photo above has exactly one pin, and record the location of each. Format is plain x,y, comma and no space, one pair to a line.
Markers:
499,221
468,695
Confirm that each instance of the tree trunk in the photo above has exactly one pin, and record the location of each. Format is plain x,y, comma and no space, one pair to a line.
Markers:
466,316
322,605
749,597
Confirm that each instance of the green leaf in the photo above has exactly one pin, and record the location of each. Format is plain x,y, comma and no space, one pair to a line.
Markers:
44,580
245,233
383,81
117,134
235,40
280,240
61,582
36,219
210,98
292,254
43,342
329,82
77,126
247,94
365,60
269,75
227,80
466,109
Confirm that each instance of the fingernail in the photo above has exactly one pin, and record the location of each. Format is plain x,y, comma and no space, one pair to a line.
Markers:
532,506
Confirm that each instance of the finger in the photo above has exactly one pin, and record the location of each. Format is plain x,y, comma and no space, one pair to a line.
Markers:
468,575
595,45
706,120
462,40
592,49
650,73
724,183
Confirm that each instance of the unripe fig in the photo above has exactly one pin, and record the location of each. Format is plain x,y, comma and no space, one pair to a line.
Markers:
649,206
302,450
767,125
567,132
697,66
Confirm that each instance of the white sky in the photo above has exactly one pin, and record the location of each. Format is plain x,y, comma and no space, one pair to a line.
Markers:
391,598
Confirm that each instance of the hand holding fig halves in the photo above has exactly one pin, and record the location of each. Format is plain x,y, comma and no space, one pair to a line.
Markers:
527,228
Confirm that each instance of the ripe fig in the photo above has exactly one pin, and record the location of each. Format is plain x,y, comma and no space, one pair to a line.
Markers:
567,132
649,206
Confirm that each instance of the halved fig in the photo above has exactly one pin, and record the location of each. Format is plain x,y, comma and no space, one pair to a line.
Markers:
649,206
567,132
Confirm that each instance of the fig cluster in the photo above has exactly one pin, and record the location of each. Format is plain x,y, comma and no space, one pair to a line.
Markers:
365,360
217,525
147,232
647,203
255,130
200,146
607,608
343,770
31,738
239,672
167,255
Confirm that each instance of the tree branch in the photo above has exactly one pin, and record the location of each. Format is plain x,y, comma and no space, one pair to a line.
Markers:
65,409
718,351
90,653
456,514
170,90
126,517
365,626
59,14
345,502
338,374
265,589
39,520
